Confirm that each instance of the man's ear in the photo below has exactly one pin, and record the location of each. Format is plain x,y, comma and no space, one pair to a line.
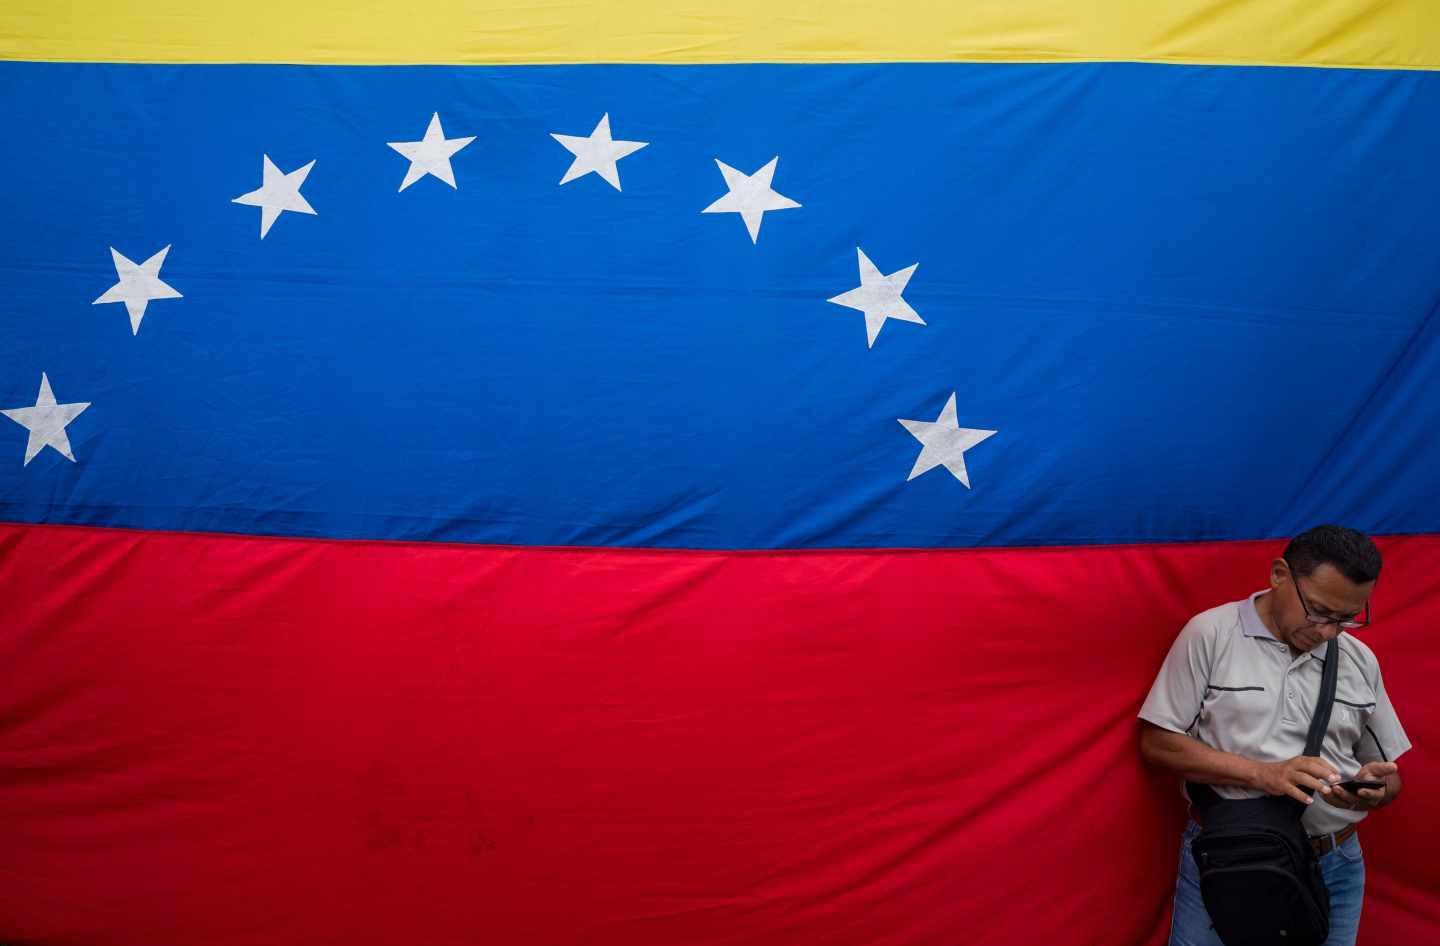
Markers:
1279,571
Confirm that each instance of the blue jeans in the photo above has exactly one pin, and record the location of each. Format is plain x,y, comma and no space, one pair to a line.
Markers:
1344,870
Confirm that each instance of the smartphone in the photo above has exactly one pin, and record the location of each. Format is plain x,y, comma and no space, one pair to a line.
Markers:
1354,785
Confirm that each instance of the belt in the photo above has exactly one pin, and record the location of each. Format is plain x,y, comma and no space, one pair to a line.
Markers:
1325,843
1321,844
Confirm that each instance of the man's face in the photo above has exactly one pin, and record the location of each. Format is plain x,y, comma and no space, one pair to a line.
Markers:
1328,594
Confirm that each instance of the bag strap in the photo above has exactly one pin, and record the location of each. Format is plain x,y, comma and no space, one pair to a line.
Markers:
1320,721
1204,796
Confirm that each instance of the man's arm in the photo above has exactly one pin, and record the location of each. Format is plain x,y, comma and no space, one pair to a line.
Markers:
1193,760
1383,742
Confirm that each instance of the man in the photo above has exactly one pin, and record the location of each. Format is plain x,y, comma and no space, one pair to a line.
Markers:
1232,704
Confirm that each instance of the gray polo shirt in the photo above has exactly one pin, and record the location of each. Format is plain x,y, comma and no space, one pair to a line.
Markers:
1230,683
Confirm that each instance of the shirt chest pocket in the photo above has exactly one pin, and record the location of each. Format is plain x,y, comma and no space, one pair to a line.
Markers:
1353,706
1240,711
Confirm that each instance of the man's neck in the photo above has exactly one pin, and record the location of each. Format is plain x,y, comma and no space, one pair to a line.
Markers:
1262,608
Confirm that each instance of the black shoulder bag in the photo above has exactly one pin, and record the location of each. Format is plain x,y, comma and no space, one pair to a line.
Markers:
1259,876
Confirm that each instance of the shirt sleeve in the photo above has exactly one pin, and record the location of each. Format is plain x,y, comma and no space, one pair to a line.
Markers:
1383,739
1179,689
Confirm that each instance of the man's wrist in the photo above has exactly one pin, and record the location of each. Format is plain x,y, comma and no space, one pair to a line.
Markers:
1250,774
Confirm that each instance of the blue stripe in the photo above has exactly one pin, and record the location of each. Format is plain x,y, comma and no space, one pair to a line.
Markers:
1196,303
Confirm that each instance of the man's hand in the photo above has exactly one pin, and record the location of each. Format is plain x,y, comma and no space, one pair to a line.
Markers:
1367,799
1292,776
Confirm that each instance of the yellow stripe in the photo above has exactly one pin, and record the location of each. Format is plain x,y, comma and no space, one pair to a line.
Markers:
1401,34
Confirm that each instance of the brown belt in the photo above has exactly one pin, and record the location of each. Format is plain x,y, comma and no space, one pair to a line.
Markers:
1320,844
1326,843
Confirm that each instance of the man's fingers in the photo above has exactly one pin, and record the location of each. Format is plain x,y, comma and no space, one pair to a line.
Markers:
1295,793
1319,769
1309,781
1378,770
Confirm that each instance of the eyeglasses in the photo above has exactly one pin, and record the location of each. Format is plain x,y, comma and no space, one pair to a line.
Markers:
1349,623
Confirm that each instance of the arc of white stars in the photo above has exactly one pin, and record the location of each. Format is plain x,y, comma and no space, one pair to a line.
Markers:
750,196
137,286
431,154
46,422
944,442
597,154
278,192
879,297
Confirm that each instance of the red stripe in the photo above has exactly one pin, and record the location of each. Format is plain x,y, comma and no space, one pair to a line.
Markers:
232,740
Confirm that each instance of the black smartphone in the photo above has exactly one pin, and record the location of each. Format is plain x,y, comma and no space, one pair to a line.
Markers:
1354,785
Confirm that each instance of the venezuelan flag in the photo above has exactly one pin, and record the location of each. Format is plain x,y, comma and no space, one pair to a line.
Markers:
664,473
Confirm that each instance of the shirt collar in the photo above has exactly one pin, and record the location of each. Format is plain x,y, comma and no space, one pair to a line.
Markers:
1251,624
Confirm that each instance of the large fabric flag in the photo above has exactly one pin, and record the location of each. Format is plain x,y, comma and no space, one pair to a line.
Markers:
662,473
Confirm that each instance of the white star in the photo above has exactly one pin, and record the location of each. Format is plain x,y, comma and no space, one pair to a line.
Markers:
278,193
750,196
137,286
431,154
944,443
46,422
878,296
597,153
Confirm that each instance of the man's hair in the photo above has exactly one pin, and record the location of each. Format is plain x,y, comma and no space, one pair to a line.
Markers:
1350,552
